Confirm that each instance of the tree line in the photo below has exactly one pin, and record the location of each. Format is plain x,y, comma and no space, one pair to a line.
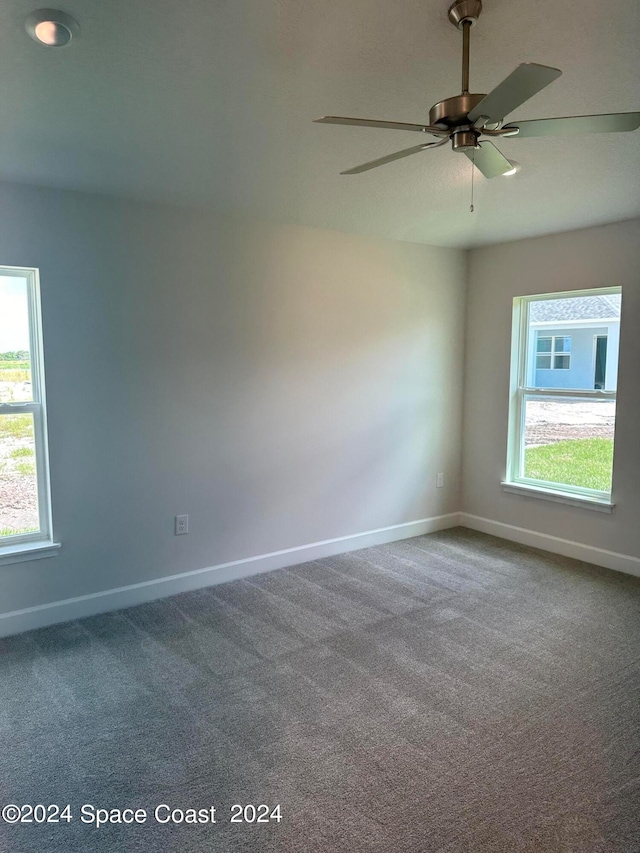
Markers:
15,355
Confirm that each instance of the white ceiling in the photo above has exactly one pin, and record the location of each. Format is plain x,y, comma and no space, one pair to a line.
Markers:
210,103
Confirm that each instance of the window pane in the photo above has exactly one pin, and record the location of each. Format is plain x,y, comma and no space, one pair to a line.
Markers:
543,362
569,442
18,483
15,357
572,325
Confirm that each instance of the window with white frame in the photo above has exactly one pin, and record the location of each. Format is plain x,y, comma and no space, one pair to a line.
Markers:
553,352
25,510
564,370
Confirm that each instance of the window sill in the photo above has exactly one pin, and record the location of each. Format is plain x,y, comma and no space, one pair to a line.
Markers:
28,551
598,504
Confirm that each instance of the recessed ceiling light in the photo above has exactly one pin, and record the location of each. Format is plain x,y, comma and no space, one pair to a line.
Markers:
51,28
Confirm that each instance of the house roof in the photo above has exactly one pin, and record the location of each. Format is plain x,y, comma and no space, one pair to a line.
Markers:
576,308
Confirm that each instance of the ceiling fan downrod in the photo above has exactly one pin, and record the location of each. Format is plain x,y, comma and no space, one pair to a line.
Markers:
452,112
465,57
463,14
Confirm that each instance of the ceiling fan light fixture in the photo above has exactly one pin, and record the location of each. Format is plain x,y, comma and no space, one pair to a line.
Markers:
51,28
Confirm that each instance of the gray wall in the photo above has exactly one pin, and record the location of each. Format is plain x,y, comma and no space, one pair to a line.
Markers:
280,385
594,257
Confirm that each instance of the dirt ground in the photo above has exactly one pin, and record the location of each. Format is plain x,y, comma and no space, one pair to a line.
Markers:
19,501
18,490
549,421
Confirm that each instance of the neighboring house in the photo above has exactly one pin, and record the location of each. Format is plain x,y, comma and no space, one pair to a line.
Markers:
575,344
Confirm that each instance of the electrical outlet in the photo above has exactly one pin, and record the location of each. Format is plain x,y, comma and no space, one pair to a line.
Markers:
182,524
439,481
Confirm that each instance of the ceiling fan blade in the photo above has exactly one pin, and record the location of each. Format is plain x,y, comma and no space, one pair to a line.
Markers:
518,87
391,125
406,152
489,160
606,123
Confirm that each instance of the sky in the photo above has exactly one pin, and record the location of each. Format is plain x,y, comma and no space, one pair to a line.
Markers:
14,322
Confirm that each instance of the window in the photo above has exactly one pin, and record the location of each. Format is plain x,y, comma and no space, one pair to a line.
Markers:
25,513
564,371
553,353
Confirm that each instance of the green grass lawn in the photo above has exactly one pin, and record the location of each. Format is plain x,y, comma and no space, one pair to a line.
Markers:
10,531
16,426
14,364
585,462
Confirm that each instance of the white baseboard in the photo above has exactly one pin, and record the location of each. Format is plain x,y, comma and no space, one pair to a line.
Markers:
127,596
599,556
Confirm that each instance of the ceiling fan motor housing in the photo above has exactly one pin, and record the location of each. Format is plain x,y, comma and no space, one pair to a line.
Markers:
453,112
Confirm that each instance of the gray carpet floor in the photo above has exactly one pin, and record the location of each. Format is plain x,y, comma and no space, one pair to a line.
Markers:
447,693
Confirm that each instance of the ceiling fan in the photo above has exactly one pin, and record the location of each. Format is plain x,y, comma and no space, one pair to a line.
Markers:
467,117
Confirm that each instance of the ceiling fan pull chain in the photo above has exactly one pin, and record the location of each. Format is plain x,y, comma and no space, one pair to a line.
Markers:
473,168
